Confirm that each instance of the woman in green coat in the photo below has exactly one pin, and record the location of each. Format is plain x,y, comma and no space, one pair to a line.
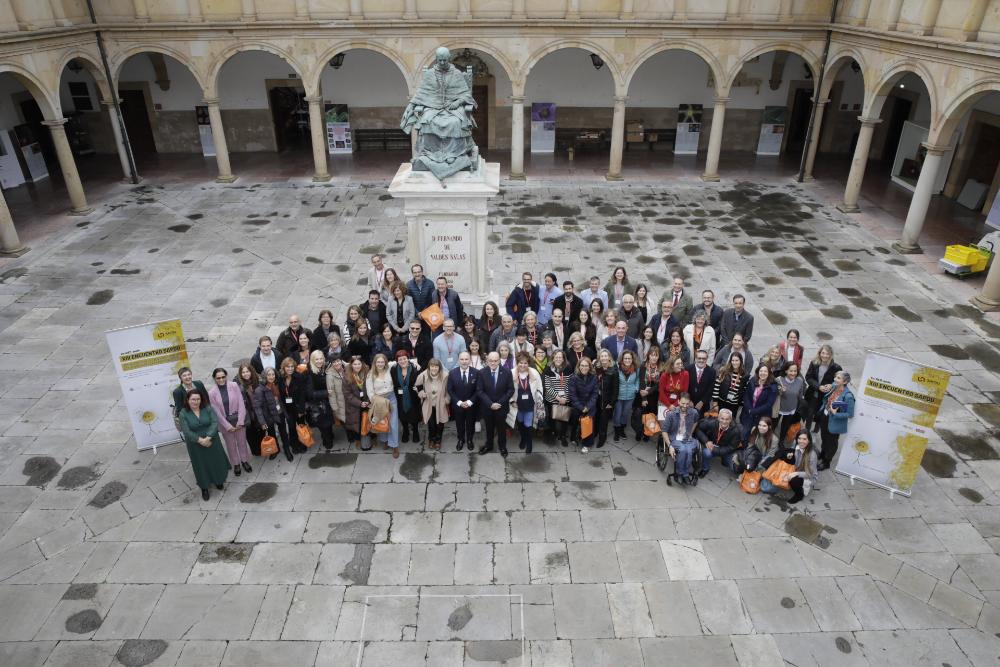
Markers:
201,434
180,392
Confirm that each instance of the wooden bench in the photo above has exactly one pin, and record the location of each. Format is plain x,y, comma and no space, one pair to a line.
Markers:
577,138
381,139
662,137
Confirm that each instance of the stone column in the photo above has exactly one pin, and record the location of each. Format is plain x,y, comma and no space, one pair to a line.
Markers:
617,139
917,212
249,11
989,299
194,11
680,10
23,16
732,9
317,130
301,10
627,10
119,140
78,200
892,14
813,145
219,138
141,11
517,138
785,11
974,20
518,10
715,140
357,10
59,13
862,18
858,165
464,10
928,17
10,244
573,9
410,10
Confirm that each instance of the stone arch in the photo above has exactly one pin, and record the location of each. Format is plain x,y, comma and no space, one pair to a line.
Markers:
122,57
812,61
354,44
714,66
877,94
943,128
612,64
474,44
835,62
229,53
92,65
47,100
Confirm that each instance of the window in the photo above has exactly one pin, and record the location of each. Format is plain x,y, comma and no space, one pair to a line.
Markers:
81,96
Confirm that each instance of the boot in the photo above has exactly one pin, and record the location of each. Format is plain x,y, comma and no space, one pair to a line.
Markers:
288,454
416,434
405,437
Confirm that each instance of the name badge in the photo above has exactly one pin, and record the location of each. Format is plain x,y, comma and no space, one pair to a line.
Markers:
399,391
673,397
451,360
679,438
361,394
525,397
288,399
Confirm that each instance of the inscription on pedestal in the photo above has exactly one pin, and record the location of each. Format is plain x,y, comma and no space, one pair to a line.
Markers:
449,252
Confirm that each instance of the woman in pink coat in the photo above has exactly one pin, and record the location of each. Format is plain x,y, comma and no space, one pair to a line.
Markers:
230,410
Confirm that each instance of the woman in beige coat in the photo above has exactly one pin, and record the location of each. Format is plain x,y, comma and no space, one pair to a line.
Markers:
432,389
335,390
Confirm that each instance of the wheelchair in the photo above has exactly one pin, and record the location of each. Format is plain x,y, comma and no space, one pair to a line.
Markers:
663,458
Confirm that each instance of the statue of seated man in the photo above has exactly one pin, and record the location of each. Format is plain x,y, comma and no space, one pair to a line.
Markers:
441,112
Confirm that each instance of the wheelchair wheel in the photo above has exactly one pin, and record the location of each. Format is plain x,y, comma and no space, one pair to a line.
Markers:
662,456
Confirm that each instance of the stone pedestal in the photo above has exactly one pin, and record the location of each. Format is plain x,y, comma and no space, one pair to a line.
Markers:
446,224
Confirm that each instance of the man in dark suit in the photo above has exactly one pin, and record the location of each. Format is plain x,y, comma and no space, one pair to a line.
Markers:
736,320
620,342
558,329
713,314
719,438
680,300
416,343
701,382
495,389
462,382
664,322
266,356
569,303
522,298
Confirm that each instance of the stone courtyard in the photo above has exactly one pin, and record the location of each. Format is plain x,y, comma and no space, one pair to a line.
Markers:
109,556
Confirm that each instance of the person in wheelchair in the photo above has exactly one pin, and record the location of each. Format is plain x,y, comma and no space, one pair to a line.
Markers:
677,438
719,438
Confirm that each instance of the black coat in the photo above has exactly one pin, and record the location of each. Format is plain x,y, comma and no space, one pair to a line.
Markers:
412,415
258,365
707,429
701,392
423,352
320,340
462,391
574,307
501,392
268,410
288,341
607,388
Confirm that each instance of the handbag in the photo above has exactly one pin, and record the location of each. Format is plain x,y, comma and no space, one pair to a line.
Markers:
793,432
268,445
776,471
750,482
586,427
560,413
381,426
433,316
366,425
650,426
305,434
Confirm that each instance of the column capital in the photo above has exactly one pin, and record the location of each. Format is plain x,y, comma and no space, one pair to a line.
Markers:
821,103
517,99
722,100
936,149
108,103
314,99
621,99
211,101
870,122
54,123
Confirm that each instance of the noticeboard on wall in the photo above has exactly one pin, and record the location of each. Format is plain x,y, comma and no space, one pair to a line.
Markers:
338,128
772,130
543,127
688,129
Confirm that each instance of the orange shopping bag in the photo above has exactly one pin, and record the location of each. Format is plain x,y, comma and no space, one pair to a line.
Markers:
776,471
750,482
366,425
586,427
433,316
381,426
650,426
268,446
305,434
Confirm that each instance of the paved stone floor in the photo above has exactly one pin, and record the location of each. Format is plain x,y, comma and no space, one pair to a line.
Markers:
109,556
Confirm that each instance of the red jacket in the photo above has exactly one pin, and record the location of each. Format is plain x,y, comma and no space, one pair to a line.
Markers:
672,385
796,357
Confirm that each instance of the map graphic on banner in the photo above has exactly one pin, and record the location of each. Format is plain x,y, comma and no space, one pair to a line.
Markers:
147,358
894,413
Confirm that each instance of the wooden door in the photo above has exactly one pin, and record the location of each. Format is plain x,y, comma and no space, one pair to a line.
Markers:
482,116
136,117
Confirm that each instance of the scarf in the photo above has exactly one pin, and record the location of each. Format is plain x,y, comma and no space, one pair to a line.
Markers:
404,384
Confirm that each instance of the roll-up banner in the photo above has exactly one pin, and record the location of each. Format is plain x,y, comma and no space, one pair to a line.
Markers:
147,358
894,412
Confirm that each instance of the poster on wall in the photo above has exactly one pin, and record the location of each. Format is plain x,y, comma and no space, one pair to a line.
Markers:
147,358
894,412
338,128
543,127
205,131
688,129
910,154
772,130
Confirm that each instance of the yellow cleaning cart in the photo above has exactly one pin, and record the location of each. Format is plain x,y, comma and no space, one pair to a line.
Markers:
967,260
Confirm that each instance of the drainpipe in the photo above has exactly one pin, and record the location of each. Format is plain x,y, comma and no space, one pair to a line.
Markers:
819,89
134,176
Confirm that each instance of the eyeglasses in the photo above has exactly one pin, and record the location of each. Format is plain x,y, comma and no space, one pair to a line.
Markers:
220,377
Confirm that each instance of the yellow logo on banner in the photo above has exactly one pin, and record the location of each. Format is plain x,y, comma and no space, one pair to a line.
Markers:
170,330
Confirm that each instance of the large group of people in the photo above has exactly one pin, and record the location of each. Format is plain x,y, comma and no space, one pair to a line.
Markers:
555,364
